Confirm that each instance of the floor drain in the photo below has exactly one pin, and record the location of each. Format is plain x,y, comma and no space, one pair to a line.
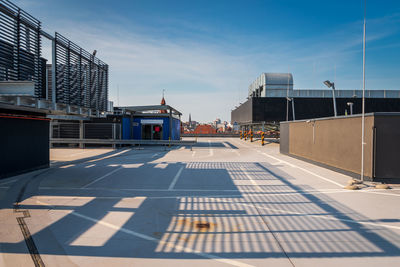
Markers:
203,225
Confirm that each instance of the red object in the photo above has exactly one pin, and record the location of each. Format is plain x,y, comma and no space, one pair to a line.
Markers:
205,129
157,128
23,117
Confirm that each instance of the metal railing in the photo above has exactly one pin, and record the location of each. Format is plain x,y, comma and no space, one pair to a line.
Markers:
321,93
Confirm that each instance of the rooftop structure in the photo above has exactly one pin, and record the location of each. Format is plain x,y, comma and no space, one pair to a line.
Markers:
76,79
272,98
282,85
270,81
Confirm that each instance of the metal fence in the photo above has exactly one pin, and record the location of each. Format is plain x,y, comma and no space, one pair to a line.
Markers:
75,130
325,93
77,77
81,79
20,47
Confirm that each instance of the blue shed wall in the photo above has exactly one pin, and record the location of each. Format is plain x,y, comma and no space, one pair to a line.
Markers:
126,128
176,127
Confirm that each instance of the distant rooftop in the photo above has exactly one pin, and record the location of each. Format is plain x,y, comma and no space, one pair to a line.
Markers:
281,85
322,93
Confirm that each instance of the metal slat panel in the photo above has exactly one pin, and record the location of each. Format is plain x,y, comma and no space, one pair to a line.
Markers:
20,46
80,77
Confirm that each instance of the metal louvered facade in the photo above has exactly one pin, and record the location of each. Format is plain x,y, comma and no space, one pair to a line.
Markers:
80,78
76,79
20,47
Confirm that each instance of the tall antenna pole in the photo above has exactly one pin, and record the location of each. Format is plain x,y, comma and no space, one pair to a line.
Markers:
118,95
287,97
363,98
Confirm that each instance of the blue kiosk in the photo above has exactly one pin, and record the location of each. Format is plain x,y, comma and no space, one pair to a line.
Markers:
158,122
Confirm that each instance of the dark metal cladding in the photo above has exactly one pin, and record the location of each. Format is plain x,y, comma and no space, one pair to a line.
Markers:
273,109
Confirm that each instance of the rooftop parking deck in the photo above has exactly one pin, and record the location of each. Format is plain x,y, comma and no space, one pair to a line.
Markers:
226,202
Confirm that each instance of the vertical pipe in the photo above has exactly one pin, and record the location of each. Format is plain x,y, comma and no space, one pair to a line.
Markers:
54,70
50,133
170,124
294,118
363,101
47,84
18,43
68,80
81,133
334,99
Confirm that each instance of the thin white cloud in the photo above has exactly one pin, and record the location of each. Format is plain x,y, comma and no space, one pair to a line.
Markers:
208,76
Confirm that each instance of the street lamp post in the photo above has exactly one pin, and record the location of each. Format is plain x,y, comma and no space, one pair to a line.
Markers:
332,85
363,97
288,99
350,104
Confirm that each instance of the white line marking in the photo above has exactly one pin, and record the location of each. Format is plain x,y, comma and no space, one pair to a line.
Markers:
67,166
324,217
211,151
158,241
171,186
305,170
193,153
102,177
251,180
378,193
9,182
155,155
78,153
90,166
271,194
110,156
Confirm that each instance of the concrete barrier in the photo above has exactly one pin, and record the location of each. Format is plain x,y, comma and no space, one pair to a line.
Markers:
336,143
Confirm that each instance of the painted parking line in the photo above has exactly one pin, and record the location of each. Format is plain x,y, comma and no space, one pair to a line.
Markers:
211,151
251,179
303,169
67,166
8,182
90,166
104,176
110,156
155,240
178,174
323,217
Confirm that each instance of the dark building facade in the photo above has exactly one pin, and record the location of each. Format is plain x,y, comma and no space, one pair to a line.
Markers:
274,109
271,98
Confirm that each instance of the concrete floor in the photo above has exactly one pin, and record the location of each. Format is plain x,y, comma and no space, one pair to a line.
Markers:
226,202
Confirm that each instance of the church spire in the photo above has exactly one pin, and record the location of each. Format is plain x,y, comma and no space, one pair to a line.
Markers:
163,99
163,102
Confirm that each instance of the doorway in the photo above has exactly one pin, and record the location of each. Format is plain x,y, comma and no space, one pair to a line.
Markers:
152,131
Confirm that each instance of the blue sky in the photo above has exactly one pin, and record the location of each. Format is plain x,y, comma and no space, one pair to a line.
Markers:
206,53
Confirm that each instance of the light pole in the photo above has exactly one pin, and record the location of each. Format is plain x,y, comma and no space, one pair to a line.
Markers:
288,99
332,85
363,97
350,104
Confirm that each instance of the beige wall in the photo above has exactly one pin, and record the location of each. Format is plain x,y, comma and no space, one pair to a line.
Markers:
336,142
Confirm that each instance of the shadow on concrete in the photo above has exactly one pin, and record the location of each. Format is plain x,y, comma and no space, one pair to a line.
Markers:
213,209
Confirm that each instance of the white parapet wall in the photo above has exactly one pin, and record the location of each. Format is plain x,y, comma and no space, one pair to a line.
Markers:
25,88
